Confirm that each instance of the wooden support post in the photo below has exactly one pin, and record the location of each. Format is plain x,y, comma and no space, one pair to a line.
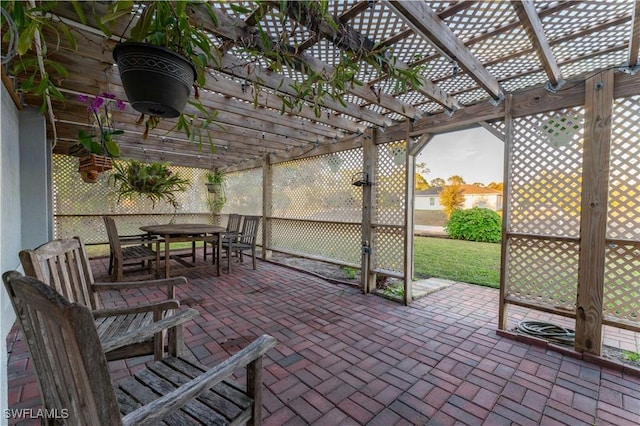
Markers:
267,206
593,213
506,189
367,277
410,168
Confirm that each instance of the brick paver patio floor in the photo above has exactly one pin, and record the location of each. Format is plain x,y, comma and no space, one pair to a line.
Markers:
346,358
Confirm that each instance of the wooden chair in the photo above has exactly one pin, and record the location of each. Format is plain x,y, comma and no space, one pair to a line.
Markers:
64,265
233,227
74,376
245,240
129,250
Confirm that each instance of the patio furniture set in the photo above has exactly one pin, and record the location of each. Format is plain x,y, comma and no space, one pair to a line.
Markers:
145,248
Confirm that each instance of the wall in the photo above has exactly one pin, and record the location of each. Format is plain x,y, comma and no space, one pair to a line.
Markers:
423,202
24,221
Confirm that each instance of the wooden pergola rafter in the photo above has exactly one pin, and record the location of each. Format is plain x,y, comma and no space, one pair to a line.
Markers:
249,98
532,24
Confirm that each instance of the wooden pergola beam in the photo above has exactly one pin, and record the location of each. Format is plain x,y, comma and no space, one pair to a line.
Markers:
526,11
238,68
634,38
528,102
99,50
424,21
242,35
593,212
344,17
347,38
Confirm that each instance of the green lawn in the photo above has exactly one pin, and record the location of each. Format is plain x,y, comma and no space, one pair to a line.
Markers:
457,260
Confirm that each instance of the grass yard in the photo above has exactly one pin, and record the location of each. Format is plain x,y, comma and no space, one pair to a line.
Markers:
430,217
457,260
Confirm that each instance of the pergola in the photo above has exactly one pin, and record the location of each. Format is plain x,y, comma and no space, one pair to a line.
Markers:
514,67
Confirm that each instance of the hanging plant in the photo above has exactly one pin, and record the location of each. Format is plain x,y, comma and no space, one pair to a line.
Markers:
215,181
166,54
154,181
99,145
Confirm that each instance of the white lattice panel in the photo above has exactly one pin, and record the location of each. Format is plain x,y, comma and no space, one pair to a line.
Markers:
331,241
545,179
72,196
244,193
543,272
622,283
623,220
319,188
388,245
389,181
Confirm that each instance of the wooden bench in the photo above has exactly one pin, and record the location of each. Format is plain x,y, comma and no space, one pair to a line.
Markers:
64,265
74,376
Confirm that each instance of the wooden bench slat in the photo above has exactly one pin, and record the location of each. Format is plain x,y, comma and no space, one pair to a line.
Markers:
142,394
194,408
230,409
229,390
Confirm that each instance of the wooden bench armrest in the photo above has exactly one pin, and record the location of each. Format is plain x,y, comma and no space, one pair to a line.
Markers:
170,283
144,333
156,307
153,412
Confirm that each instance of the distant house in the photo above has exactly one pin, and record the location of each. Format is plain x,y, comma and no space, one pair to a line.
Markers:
474,196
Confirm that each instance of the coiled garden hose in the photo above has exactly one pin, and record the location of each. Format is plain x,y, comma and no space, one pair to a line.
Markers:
547,331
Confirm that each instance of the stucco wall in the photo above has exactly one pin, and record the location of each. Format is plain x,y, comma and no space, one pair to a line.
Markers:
10,224
25,203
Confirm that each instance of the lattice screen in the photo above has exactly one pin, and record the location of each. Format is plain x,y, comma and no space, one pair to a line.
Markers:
543,272
545,178
244,192
319,188
244,196
316,210
622,262
390,204
78,206
333,241
544,200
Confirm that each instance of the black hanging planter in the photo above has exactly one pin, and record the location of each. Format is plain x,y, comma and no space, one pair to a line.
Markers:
157,80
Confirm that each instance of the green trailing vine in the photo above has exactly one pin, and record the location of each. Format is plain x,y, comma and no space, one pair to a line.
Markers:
316,87
30,24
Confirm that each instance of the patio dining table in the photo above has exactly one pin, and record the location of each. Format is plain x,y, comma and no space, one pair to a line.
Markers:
186,232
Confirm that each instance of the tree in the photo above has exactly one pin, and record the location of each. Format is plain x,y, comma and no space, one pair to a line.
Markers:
456,180
451,199
421,183
478,184
437,182
498,186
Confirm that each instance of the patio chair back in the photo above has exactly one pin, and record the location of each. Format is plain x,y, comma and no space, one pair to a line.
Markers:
244,241
64,345
128,250
234,222
76,385
64,265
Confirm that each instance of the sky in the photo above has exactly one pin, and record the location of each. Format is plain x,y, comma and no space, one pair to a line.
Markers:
474,154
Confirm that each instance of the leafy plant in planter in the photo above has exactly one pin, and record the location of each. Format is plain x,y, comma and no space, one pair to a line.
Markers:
165,55
215,186
97,154
155,181
215,181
